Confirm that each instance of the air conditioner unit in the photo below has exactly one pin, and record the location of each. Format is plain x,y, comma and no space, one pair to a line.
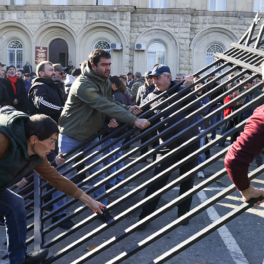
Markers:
116,46
140,46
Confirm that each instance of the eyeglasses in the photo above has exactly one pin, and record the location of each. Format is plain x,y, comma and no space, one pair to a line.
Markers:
62,73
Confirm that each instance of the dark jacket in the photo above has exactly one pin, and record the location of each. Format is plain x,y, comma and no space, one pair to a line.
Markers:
216,94
180,127
4,98
45,97
21,93
15,162
89,101
27,68
142,93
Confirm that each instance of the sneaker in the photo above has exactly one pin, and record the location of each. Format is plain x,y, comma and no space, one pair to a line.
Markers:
36,257
65,225
180,214
200,174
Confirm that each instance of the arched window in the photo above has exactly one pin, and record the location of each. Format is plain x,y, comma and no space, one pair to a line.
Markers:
217,5
15,53
158,4
259,6
102,44
156,54
214,48
58,2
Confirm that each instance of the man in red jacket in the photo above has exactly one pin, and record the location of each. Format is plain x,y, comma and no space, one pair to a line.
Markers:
249,145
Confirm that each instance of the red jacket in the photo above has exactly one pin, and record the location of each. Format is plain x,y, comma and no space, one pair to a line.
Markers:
249,145
228,110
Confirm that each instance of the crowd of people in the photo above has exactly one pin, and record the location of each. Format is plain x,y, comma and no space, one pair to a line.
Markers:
84,100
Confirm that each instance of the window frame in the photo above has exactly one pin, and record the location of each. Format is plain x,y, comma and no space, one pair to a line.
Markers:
65,2
222,51
156,60
15,49
151,3
258,5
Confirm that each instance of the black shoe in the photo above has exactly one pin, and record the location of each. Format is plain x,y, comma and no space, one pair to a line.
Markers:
106,217
180,214
36,257
65,225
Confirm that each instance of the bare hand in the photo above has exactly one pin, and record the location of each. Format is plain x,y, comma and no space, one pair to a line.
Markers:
142,123
135,110
113,123
91,203
252,192
15,102
188,80
22,183
59,160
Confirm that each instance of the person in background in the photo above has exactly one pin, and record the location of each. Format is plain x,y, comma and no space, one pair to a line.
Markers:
27,82
118,88
70,67
4,98
123,80
138,81
70,78
130,80
20,74
202,127
60,77
179,78
27,68
15,88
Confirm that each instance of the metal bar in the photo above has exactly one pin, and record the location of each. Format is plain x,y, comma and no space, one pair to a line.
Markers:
248,49
260,36
143,186
244,37
239,63
250,34
168,187
165,230
206,231
37,214
142,134
167,142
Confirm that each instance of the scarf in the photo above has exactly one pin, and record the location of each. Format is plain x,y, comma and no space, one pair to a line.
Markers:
13,81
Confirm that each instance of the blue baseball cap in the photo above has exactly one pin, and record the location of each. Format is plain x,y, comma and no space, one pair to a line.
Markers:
158,70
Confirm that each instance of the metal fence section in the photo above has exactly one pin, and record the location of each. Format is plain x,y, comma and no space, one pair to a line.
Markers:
239,60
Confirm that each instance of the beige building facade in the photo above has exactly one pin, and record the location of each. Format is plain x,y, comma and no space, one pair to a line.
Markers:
138,33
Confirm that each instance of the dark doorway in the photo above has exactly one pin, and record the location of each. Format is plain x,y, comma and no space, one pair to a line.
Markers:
58,52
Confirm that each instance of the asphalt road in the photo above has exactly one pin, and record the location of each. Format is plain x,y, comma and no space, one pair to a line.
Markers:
239,241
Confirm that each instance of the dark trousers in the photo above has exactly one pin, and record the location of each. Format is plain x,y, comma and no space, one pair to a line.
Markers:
154,144
184,186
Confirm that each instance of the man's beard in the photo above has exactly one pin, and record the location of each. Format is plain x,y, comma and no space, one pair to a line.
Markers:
47,77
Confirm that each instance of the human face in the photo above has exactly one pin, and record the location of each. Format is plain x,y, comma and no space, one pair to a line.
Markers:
162,82
178,79
247,86
149,81
60,76
27,78
123,81
197,86
48,73
129,77
11,72
41,147
19,75
103,68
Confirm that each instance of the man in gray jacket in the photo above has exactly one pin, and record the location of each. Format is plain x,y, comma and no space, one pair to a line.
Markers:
89,101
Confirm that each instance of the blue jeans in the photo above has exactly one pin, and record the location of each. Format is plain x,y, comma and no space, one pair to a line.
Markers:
201,157
12,207
65,145
213,120
111,159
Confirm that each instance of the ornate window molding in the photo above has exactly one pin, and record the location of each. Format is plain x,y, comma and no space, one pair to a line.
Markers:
156,54
15,53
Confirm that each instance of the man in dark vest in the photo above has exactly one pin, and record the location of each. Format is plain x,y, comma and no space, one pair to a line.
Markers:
24,144
15,88
4,98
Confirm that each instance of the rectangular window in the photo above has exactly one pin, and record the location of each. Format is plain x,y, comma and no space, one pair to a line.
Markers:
259,6
58,2
17,2
158,4
103,2
217,5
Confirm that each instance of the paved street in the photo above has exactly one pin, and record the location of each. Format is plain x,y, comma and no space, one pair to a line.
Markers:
239,241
